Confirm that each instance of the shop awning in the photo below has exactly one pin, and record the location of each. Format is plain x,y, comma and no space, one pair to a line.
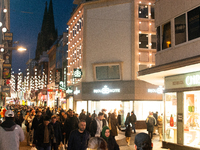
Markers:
156,75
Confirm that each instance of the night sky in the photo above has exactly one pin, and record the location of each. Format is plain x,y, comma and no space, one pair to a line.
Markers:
26,21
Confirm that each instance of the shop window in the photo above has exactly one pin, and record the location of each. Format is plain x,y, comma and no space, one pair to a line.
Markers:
143,11
180,30
166,35
152,12
193,24
170,133
153,41
158,39
111,72
143,41
192,118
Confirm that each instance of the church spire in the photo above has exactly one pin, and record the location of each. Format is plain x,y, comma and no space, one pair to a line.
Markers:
45,18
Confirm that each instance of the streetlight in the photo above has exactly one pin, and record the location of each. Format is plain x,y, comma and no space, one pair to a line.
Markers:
21,49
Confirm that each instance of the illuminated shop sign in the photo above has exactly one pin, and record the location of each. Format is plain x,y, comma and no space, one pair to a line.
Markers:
76,92
77,73
192,80
106,90
159,90
69,91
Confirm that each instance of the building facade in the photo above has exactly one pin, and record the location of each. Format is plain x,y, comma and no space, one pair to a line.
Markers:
109,41
177,68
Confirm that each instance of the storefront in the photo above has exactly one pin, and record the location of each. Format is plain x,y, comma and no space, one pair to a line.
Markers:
120,95
182,111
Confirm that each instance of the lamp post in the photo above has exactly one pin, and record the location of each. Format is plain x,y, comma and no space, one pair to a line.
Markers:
5,67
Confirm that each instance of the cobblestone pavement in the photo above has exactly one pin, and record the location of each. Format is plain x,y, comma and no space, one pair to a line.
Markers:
120,140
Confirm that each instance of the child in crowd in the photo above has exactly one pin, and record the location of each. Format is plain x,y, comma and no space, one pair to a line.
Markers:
128,133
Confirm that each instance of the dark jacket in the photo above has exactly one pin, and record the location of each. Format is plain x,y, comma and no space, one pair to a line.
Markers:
71,124
112,144
88,122
133,118
151,122
78,141
39,136
127,120
82,116
93,127
128,131
36,122
57,131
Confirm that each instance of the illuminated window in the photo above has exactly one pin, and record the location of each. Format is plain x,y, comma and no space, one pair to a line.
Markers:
143,11
166,35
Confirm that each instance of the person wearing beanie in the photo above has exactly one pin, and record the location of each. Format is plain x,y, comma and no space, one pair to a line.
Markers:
111,142
44,135
143,142
10,133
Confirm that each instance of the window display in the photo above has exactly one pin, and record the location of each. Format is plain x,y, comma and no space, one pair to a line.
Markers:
170,132
191,118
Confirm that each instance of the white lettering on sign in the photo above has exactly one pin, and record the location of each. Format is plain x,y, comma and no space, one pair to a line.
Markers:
77,91
106,90
192,80
69,91
159,90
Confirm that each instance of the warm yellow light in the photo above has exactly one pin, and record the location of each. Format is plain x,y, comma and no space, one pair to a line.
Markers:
21,49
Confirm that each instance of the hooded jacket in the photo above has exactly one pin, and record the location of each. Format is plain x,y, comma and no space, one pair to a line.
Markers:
11,135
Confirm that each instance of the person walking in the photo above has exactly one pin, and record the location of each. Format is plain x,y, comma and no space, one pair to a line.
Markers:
114,124
70,124
127,121
128,134
133,120
19,118
28,124
96,126
160,126
111,142
151,122
43,135
94,115
57,133
79,138
10,133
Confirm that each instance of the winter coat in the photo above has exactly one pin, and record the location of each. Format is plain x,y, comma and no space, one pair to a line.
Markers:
88,121
57,131
128,131
19,120
39,136
71,123
36,122
10,135
133,118
78,141
127,121
82,116
114,125
151,122
93,127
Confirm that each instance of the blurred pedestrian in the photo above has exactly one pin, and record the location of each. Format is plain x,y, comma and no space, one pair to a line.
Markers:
160,126
96,126
128,133
10,133
44,135
94,115
57,133
151,122
127,121
19,118
133,120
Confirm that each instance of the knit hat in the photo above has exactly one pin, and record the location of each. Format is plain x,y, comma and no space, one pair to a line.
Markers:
143,141
103,133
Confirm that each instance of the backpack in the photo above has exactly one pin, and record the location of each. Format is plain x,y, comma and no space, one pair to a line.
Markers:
151,121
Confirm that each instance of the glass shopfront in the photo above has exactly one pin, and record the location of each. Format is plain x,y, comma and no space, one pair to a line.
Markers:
192,118
170,128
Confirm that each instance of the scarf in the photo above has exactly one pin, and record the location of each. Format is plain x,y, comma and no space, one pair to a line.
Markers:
103,132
